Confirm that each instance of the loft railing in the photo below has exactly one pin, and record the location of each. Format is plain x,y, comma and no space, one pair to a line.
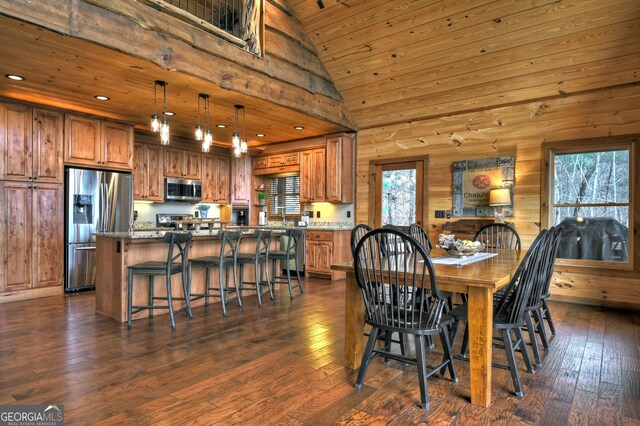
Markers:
224,14
239,19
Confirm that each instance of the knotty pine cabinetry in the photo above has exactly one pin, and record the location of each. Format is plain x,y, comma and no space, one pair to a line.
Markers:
90,141
30,144
313,176
324,248
148,183
276,163
31,236
340,170
241,180
183,164
215,182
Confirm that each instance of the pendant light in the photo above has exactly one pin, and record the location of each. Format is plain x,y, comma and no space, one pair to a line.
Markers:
199,133
243,143
156,125
208,136
235,139
155,122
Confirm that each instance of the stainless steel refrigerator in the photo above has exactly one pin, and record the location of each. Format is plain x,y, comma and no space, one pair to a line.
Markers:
96,201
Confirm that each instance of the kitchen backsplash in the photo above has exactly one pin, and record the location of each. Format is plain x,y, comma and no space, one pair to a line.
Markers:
331,212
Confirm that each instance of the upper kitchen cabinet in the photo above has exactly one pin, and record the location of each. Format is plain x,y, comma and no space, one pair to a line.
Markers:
117,145
90,141
30,144
276,163
241,180
147,173
182,164
340,169
215,182
313,176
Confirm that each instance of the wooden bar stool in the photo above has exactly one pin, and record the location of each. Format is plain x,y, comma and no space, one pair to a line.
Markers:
228,257
171,267
291,251
259,259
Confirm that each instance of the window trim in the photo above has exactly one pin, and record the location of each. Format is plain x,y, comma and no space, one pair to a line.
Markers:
549,150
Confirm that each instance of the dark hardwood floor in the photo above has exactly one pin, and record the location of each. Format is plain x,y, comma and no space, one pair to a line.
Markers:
282,364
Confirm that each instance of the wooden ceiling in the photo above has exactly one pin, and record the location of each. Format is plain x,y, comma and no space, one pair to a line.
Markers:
409,60
67,72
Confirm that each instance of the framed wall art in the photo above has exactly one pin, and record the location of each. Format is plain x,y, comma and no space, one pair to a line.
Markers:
472,181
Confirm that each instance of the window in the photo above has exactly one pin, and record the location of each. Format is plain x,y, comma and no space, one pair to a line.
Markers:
590,193
284,194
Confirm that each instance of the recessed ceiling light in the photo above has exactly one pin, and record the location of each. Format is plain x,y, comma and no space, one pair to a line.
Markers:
102,97
298,127
221,126
170,113
260,135
14,77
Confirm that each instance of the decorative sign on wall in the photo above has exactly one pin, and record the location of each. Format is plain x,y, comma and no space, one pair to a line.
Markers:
472,181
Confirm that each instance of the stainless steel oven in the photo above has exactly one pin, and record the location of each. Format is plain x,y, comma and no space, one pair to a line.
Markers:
182,190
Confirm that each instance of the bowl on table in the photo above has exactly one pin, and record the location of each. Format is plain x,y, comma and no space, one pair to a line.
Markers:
459,248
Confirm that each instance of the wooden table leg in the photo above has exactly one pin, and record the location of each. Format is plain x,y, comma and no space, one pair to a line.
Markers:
480,344
353,323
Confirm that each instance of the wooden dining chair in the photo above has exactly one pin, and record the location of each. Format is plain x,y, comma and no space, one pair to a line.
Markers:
498,236
510,313
395,287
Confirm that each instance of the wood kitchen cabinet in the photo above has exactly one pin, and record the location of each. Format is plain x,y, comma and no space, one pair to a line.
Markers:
148,182
215,182
90,141
182,164
30,232
340,172
30,144
312,176
241,180
324,248
276,163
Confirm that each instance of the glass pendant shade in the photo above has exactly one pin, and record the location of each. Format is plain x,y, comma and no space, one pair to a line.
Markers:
237,152
155,123
235,140
199,132
164,132
243,146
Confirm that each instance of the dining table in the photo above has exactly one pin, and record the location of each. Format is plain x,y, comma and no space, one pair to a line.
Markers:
479,280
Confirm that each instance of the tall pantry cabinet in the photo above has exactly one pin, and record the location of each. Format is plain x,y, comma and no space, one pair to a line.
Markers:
31,200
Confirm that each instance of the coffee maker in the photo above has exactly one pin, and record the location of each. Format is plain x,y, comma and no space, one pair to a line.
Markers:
240,216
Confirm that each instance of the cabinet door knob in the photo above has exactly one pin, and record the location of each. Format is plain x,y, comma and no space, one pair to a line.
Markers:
35,178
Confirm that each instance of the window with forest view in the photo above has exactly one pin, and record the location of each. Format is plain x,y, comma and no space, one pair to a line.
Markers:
591,200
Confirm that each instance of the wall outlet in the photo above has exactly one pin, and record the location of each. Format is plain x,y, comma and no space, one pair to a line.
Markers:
448,214
439,214
318,214
348,214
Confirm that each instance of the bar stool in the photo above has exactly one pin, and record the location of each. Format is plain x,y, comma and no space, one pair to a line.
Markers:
171,267
290,252
260,261
229,243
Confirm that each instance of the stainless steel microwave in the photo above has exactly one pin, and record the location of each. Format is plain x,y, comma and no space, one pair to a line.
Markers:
182,190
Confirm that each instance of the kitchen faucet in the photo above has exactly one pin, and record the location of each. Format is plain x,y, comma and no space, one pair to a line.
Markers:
284,216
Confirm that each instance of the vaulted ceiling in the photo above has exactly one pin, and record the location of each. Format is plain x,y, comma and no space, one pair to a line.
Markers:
407,60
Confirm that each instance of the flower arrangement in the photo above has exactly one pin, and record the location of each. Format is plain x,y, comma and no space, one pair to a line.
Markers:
203,208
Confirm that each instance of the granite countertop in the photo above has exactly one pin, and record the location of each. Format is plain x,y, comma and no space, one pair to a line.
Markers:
160,233
150,233
316,226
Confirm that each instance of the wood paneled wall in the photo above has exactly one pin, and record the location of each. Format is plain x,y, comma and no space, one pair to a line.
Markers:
517,130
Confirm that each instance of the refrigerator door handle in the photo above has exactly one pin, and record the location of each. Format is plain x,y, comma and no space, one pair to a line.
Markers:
83,248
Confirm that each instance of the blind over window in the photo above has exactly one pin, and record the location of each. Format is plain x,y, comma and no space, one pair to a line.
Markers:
284,193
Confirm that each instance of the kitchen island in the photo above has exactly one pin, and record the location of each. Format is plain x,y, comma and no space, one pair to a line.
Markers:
116,251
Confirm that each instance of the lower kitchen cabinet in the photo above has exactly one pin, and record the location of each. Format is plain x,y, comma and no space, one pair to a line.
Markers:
31,235
323,248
